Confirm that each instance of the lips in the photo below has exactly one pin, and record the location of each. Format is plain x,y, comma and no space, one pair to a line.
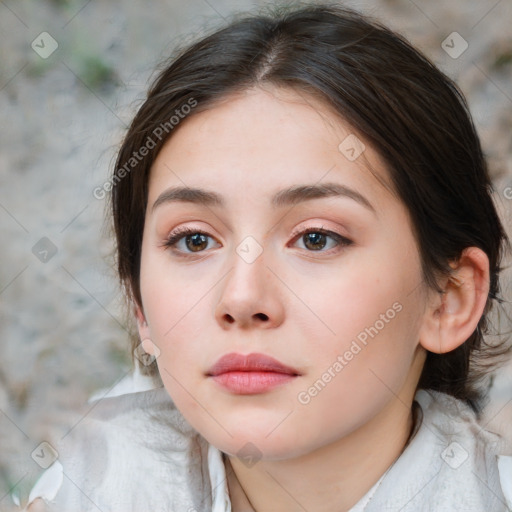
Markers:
250,374
249,363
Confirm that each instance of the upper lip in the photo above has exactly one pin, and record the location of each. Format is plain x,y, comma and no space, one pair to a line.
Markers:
249,363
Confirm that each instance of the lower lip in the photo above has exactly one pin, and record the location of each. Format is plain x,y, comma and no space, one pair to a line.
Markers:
251,383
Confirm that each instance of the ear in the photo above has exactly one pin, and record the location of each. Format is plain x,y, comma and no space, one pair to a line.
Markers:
453,316
142,324
144,332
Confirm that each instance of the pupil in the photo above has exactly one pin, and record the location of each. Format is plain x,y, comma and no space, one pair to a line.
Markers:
196,246
315,238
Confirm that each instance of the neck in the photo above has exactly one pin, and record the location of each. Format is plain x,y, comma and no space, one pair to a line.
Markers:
332,478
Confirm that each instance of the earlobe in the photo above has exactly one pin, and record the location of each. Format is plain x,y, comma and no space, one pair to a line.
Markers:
453,317
150,348
142,324
147,344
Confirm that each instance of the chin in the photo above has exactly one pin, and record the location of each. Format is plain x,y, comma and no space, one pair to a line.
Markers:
257,444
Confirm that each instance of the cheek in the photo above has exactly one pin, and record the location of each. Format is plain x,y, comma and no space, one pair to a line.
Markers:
370,320
168,296
362,300
359,374
172,311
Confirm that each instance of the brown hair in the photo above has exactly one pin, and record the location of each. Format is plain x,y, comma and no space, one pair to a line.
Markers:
412,114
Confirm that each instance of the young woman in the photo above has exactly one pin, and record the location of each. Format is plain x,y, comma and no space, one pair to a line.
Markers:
307,237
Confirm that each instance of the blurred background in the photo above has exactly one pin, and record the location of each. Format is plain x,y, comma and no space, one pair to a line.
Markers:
72,74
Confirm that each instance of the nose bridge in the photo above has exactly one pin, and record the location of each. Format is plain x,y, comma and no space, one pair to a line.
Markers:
248,294
248,262
251,248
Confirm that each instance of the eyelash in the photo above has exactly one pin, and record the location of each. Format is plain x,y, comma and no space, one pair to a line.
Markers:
182,232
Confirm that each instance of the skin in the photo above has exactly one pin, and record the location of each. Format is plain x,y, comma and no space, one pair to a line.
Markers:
304,307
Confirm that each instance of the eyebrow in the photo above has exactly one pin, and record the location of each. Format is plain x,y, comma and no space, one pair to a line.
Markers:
286,197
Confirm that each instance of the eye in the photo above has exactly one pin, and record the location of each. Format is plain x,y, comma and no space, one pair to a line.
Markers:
316,239
194,239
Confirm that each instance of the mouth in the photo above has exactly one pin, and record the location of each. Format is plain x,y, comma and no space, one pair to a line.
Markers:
250,374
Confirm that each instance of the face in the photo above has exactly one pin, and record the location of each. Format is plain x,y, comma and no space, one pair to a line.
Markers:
326,280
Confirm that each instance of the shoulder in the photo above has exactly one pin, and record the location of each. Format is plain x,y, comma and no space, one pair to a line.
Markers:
450,463
130,452
450,420
474,454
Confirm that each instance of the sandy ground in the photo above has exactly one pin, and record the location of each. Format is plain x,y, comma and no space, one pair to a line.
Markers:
62,332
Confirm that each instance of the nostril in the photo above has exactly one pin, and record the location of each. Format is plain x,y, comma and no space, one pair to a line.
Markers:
229,319
262,316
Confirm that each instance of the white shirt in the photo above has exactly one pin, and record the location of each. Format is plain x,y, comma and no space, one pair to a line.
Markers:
137,452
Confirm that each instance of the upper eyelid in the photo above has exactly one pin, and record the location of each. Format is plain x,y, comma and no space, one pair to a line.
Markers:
192,230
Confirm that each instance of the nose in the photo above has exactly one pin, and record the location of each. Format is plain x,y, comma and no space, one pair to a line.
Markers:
251,295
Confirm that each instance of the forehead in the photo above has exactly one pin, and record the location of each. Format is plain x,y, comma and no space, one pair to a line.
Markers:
262,140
